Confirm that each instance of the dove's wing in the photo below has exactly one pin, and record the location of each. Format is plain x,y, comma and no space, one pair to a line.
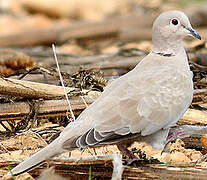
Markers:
136,103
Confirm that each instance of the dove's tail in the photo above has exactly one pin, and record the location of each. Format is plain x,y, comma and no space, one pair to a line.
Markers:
49,151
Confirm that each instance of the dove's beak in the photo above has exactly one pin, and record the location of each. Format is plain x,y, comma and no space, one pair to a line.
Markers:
193,32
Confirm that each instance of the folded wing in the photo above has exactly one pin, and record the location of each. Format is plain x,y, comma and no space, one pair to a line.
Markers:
135,104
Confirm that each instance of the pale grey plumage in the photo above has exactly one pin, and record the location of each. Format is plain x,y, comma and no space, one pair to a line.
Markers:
140,105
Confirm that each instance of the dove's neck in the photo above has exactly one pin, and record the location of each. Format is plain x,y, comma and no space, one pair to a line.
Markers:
171,47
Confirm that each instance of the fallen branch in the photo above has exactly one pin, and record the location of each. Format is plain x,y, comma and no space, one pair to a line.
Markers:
27,89
103,169
115,158
48,108
199,96
192,116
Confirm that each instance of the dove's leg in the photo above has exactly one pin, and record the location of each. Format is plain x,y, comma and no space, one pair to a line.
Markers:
127,152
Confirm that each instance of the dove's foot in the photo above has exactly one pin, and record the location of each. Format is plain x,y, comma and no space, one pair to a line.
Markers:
178,134
130,161
131,157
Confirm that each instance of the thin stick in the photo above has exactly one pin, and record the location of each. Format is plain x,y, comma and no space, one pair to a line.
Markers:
84,101
61,80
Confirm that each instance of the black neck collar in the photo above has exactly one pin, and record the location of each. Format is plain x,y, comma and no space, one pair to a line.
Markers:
164,54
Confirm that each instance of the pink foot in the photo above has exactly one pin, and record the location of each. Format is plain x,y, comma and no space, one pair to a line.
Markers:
131,157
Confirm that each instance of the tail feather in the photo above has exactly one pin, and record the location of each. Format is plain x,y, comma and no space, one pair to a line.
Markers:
49,151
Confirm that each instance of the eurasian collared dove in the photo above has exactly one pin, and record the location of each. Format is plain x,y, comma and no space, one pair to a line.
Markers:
141,105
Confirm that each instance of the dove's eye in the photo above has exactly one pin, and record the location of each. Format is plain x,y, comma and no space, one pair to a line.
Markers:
174,22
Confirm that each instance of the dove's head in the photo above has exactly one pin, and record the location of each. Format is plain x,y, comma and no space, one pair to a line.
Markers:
170,28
